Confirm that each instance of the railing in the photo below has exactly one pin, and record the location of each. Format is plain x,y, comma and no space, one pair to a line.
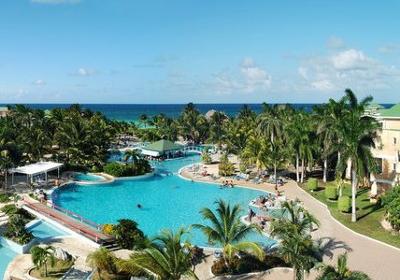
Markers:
89,233
76,216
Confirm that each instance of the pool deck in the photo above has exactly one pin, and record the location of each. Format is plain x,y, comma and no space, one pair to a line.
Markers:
378,260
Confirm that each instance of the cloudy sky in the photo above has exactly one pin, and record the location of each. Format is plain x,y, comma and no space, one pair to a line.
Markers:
176,51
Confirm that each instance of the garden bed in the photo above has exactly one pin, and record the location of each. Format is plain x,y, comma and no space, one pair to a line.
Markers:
369,215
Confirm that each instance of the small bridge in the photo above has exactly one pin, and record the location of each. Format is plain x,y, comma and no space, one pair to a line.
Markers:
74,222
193,149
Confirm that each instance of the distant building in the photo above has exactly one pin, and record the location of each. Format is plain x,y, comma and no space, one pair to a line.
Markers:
4,111
387,148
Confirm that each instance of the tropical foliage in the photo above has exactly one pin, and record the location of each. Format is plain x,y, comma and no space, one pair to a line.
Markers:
168,257
341,271
42,257
128,235
226,230
391,202
297,248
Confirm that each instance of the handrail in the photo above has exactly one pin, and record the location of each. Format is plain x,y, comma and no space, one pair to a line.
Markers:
76,216
90,234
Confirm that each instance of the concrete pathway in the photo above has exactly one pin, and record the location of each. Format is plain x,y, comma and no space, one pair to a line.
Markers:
378,260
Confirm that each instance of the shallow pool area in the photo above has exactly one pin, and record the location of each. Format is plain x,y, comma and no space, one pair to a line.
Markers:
45,230
168,201
88,177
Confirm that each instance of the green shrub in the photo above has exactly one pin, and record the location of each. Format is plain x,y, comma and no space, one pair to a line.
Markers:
116,169
11,209
331,192
205,157
344,204
225,167
312,184
391,203
219,267
5,197
128,235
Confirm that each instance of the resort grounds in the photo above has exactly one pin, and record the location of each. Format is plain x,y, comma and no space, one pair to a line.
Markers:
378,260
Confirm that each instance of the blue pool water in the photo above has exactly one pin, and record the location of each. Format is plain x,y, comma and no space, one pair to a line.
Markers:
168,201
88,177
45,230
6,256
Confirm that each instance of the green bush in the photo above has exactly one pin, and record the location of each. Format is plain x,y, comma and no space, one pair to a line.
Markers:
312,184
391,203
128,235
331,192
116,169
225,167
11,209
5,197
206,158
344,204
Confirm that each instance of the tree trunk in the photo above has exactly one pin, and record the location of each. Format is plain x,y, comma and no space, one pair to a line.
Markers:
349,169
276,179
302,170
297,168
325,169
272,137
5,181
353,195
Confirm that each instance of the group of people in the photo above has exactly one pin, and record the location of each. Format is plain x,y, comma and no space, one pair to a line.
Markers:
227,184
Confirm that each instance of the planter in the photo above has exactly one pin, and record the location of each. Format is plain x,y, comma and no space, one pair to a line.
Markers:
20,249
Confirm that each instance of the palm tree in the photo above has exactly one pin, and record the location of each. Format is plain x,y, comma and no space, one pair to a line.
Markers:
277,156
296,245
132,154
227,230
270,123
341,272
42,256
256,152
169,257
102,260
359,134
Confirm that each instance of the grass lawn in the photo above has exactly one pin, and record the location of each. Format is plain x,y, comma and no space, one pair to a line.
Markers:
369,215
55,272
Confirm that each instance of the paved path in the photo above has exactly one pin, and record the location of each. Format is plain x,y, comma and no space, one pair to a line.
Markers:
379,261
71,223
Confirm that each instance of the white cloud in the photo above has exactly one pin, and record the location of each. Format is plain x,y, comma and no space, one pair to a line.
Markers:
85,72
250,78
55,2
39,83
323,85
335,43
351,59
348,68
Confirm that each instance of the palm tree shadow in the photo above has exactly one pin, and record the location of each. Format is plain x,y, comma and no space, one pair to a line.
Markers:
327,246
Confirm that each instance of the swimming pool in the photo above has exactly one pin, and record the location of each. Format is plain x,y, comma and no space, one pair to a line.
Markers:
44,230
6,256
40,230
168,201
88,177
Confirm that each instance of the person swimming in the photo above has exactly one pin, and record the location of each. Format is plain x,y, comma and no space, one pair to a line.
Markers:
139,206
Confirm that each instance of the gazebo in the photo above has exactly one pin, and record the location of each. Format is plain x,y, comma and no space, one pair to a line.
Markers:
35,169
161,148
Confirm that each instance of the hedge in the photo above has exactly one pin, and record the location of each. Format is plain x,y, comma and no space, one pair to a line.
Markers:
312,184
344,204
331,192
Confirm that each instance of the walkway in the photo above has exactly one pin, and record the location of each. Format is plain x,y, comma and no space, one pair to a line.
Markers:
377,260
76,224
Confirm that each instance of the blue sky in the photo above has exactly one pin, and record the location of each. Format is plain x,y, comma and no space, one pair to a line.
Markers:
176,51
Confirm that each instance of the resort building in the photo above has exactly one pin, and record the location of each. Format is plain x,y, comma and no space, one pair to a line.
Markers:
387,148
4,112
162,148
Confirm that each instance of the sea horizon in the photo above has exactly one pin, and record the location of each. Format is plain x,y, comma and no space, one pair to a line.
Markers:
132,112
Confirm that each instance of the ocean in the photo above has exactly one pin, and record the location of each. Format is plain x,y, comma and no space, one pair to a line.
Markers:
132,112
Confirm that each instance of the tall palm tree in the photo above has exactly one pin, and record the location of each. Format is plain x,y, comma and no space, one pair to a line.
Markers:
256,152
359,134
277,156
169,258
270,123
341,271
227,230
41,257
